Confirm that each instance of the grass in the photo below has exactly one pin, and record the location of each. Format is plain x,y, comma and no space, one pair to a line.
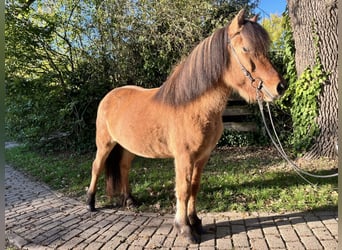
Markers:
235,179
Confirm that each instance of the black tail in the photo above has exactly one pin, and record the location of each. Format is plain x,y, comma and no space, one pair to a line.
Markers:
112,171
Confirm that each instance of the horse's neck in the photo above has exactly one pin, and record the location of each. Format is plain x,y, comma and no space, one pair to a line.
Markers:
214,101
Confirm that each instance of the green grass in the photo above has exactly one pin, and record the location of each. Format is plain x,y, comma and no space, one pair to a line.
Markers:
235,179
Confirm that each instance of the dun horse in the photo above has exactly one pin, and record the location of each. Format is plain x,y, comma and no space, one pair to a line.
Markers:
182,119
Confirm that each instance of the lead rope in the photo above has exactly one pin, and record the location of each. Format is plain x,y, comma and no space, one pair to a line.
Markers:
280,148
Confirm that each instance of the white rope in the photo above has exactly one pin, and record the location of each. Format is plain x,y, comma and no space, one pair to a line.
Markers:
280,148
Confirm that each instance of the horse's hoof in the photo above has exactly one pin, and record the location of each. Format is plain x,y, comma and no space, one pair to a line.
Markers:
196,224
188,234
128,201
192,239
91,208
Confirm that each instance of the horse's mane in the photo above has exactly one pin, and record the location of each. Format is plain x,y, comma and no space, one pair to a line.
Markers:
203,68
257,38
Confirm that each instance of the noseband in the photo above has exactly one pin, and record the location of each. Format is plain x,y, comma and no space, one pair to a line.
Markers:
256,83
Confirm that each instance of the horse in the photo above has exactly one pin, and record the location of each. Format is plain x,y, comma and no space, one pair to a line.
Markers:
182,119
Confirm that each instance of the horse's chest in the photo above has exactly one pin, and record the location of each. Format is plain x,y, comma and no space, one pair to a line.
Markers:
202,132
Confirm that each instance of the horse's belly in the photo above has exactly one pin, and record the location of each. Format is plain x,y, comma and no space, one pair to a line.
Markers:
146,143
141,130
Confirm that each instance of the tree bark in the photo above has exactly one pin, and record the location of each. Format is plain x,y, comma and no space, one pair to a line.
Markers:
320,16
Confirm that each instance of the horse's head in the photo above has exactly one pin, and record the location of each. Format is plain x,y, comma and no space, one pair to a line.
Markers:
249,68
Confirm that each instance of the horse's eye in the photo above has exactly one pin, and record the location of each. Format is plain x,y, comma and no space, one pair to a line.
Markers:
245,49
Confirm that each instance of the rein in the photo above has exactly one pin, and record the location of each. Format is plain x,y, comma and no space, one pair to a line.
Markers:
261,88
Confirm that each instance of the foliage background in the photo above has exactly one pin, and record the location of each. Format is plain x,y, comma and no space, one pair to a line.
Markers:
62,57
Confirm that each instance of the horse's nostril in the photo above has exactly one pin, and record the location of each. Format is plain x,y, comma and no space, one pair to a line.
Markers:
281,88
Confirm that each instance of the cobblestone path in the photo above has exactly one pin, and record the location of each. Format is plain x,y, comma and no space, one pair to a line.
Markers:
38,218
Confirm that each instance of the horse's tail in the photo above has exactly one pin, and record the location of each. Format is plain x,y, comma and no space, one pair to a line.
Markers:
112,171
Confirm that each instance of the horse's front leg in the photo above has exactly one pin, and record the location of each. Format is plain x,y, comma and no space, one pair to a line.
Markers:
97,168
195,222
183,187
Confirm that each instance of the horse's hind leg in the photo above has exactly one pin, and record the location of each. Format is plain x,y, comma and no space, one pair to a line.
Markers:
125,166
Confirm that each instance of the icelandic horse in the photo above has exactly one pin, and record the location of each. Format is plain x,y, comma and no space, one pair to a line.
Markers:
182,119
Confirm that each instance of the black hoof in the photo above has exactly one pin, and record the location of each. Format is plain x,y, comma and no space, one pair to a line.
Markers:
91,202
190,236
91,208
196,224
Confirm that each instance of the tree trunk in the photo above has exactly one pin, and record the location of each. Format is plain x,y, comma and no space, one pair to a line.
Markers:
307,17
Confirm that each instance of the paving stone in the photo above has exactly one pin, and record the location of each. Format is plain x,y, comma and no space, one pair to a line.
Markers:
128,230
37,247
258,243
91,231
295,245
164,229
16,240
118,226
38,218
169,242
289,234
270,230
155,222
250,222
329,244
315,224
236,229
114,243
105,237
203,247
71,243
274,241
224,243
208,240
80,246
139,220
180,242
156,241
148,231
138,241
333,228
310,242
303,230
322,233
255,233
94,246
222,232
240,240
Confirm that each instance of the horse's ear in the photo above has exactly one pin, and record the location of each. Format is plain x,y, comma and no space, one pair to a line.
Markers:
237,22
255,18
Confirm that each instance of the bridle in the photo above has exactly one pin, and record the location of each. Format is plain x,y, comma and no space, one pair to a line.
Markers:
258,84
